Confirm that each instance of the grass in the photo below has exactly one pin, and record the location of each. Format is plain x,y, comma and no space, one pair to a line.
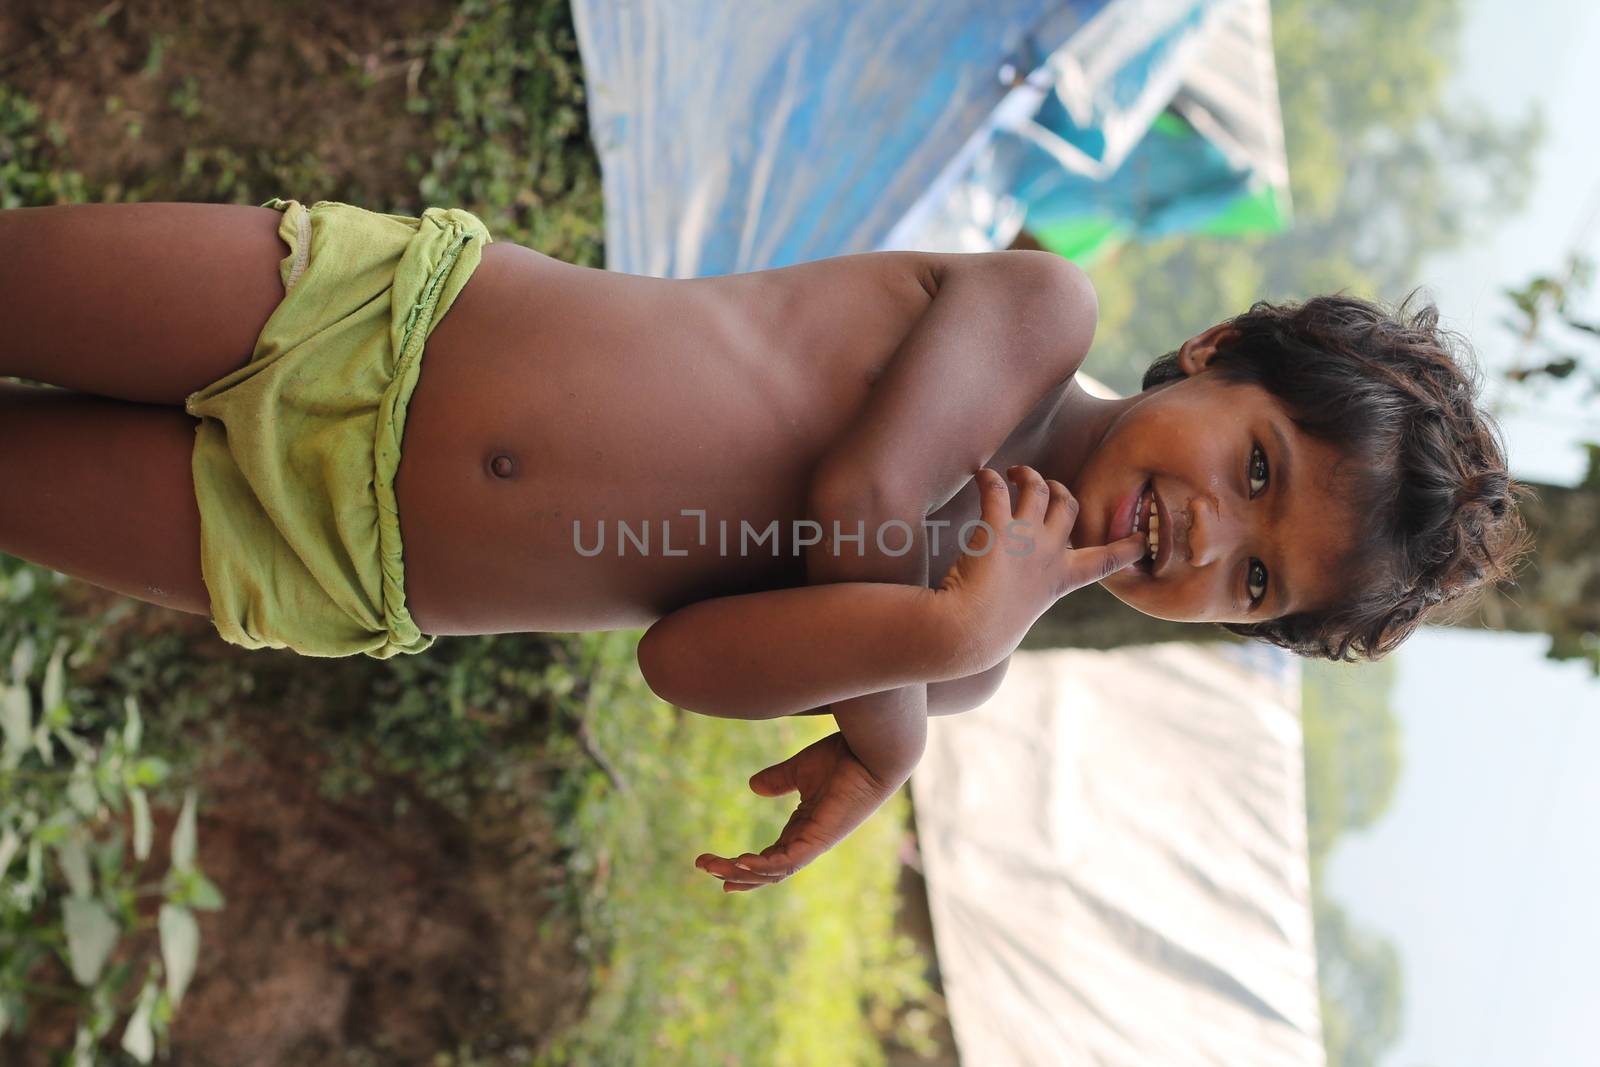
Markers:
801,974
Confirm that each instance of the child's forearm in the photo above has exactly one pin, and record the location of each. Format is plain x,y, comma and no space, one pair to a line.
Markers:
886,729
785,651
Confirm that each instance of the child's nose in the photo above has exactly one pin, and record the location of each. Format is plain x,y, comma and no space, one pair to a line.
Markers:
1204,532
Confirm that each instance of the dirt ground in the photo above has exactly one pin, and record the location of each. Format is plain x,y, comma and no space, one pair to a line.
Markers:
176,96
351,934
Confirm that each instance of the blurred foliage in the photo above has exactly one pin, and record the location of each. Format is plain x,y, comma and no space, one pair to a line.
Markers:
76,775
504,86
1353,762
1548,325
1352,749
30,150
812,974
1361,990
492,118
1383,172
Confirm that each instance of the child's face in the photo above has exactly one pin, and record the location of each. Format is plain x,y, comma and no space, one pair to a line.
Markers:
1245,504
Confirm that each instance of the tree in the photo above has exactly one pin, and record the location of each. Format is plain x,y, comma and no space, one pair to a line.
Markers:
1384,171
1352,751
1361,989
1554,338
1352,767
1558,592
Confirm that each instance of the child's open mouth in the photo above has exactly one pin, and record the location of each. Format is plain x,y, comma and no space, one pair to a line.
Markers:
1147,521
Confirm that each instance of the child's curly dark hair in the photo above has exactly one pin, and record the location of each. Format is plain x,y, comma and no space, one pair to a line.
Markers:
1425,464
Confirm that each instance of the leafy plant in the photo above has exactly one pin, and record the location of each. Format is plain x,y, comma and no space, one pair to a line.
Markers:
30,172
505,86
66,799
1549,327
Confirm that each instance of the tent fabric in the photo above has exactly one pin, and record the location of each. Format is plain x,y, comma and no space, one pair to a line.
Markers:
739,137
1116,859
1159,117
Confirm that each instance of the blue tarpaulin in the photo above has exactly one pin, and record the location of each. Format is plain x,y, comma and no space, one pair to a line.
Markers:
741,136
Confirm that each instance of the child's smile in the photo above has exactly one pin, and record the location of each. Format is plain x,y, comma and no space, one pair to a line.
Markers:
1239,504
1142,513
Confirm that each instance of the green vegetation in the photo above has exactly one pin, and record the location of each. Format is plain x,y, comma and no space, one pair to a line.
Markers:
1353,764
1384,170
503,88
65,800
764,977
477,104
28,150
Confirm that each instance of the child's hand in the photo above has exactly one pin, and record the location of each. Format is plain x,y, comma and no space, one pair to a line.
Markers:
837,793
1001,592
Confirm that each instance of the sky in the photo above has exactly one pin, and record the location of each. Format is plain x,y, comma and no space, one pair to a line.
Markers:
1486,870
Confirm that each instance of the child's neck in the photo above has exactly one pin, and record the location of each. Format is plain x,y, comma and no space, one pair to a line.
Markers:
1071,432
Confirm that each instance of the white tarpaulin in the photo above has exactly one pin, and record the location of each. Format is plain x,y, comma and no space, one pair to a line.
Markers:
1115,853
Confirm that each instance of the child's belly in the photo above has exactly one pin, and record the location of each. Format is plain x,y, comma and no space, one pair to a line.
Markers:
559,405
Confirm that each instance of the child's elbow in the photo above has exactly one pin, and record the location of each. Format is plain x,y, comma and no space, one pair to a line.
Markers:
1078,306
659,663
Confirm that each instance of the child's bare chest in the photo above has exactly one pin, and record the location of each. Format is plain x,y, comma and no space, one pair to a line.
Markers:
559,404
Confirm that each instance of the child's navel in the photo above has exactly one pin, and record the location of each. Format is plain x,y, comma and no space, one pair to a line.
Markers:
502,466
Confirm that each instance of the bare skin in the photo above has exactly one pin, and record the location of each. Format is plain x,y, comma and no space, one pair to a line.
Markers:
549,393
626,398
552,392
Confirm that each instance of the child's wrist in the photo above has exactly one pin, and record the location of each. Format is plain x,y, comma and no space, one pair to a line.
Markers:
966,641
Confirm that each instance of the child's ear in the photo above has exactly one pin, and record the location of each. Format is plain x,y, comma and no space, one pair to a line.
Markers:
1194,355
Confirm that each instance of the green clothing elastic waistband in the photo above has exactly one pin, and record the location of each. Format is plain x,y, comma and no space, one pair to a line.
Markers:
296,452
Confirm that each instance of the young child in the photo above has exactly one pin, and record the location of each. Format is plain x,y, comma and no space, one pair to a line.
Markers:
780,473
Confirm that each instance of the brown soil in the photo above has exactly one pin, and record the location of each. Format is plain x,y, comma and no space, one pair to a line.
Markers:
171,97
351,934
350,929
379,928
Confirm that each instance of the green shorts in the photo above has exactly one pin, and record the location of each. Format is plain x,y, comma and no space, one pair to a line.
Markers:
296,452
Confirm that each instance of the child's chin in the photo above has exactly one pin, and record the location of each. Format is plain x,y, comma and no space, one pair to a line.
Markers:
1124,588
1128,590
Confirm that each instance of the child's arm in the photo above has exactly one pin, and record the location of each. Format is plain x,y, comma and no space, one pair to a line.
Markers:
954,696
785,651
1002,330
985,603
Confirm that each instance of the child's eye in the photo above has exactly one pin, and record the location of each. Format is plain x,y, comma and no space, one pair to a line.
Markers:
1257,575
1258,470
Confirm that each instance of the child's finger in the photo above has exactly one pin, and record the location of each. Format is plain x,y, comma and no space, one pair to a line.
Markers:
1063,505
1033,495
1099,562
994,507
774,781
753,868
729,870
772,865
